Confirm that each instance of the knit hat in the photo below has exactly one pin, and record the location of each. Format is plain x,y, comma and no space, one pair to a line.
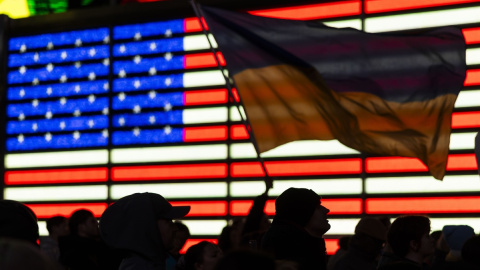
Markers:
296,205
372,227
457,235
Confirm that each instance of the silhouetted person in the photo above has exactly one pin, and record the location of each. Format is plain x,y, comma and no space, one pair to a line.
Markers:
181,236
141,225
201,256
365,246
17,221
410,241
83,248
343,244
452,240
57,226
297,230
231,235
18,239
471,253
256,223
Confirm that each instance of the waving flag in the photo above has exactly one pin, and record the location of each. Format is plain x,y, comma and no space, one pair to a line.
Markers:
379,94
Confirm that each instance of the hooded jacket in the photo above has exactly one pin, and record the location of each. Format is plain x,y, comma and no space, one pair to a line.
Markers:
131,225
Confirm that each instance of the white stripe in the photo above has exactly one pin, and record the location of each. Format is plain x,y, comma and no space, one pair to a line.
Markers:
473,56
437,224
422,184
470,98
296,149
462,141
50,159
203,78
205,115
198,42
423,20
321,186
56,193
205,227
235,115
172,190
42,228
342,226
353,23
169,153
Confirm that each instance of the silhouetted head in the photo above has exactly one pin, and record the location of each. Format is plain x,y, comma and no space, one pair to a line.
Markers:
406,231
471,251
58,226
202,256
83,223
18,221
141,223
302,207
180,238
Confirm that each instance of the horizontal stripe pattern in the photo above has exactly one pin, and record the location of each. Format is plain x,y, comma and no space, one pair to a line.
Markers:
62,180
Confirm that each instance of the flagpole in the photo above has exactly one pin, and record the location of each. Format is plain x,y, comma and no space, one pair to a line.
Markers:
229,82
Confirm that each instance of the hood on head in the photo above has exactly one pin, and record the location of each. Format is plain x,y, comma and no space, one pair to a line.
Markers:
131,224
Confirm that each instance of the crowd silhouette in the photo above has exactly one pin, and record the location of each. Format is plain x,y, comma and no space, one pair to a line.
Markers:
141,231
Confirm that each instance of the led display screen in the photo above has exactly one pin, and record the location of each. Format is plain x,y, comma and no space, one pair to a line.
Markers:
95,114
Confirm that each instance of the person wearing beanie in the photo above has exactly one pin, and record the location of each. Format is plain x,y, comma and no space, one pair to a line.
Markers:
365,246
455,236
297,230
448,254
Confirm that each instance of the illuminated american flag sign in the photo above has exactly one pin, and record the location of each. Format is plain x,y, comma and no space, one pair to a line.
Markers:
58,90
93,115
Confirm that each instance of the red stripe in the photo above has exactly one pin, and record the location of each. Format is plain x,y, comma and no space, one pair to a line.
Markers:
202,60
238,132
205,97
461,162
459,120
191,242
457,162
466,119
376,6
394,164
235,94
169,172
204,208
44,211
332,246
298,168
191,25
422,205
472,78
201,134
472,35
313,12
336,206
57,176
